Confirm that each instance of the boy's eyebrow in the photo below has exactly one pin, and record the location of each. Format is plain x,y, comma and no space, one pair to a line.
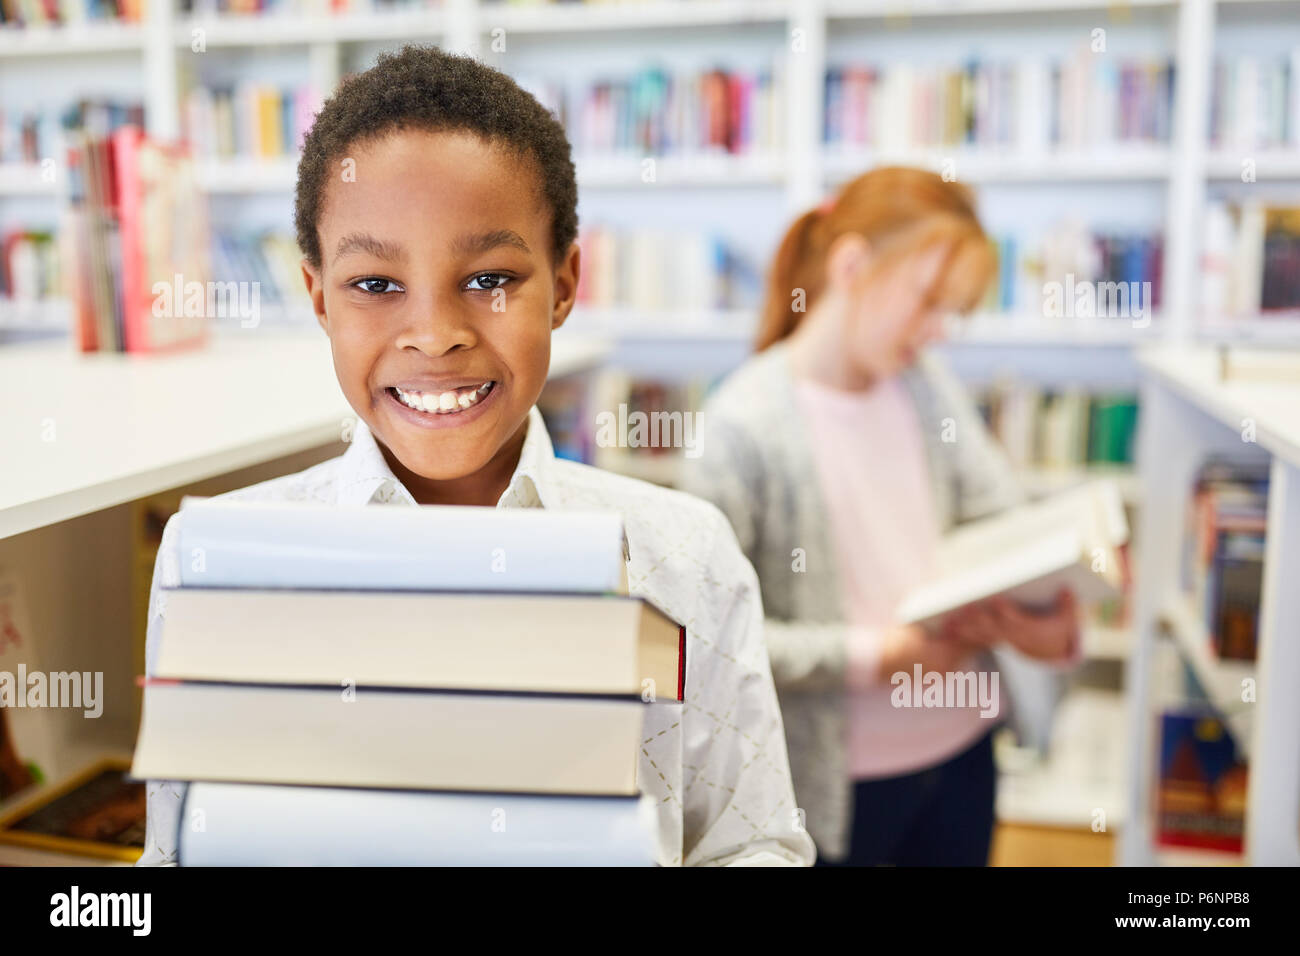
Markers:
479,243
364,242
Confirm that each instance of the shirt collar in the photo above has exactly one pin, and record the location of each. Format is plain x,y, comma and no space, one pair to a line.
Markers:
365,478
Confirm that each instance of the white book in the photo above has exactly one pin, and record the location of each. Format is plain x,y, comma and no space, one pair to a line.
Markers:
264,825
240,544
1027,554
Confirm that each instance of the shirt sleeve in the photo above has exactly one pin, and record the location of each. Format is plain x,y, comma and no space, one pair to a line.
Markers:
163,798
865,651
739,807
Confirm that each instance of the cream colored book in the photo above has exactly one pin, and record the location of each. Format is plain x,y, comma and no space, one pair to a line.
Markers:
394,739
1027,554
571,644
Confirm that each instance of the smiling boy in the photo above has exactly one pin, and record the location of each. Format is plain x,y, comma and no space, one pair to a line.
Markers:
437,211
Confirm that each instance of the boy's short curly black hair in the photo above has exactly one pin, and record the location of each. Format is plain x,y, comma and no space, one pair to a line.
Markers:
426,88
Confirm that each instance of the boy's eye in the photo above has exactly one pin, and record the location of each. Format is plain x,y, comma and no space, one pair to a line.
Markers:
375,286
487,281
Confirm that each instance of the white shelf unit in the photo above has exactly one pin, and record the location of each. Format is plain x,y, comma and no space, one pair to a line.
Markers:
1189,414
798,177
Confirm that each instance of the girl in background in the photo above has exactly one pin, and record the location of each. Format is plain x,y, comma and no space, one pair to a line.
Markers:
841,452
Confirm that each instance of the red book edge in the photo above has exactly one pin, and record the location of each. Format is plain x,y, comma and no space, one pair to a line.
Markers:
681,662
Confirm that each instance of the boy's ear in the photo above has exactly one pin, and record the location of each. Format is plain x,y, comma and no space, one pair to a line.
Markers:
316,291
566,286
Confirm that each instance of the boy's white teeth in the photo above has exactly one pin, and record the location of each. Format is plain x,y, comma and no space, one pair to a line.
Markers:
443,403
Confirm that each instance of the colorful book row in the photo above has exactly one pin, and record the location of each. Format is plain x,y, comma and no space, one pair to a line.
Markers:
652,270
655,112
249,120
1078,103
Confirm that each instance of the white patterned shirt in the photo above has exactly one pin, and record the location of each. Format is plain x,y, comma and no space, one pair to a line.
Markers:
716,764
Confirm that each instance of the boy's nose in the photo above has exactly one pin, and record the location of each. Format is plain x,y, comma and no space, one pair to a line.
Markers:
436,326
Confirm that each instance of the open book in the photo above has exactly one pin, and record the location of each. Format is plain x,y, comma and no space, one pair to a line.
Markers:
1028,553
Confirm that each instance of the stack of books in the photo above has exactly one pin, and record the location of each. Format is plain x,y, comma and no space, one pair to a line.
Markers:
406,686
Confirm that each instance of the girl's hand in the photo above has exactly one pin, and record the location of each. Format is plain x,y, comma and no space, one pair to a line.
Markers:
1051,635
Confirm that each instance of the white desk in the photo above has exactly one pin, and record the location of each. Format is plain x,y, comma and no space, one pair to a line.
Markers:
82,432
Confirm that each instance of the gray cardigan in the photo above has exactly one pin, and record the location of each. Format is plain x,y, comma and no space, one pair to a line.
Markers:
755,464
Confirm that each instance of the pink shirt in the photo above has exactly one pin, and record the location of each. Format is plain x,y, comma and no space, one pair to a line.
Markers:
871,466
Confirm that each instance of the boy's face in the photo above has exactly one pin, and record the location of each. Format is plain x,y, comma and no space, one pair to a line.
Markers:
437,288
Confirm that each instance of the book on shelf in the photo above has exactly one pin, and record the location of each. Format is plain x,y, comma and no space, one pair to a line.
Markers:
30,270
1060,429
1076,104
1077,273
1028,553
1201,795
566,406
1259,365
27,135
1250,260
1223,555
48,13
656,270
1255,102
655,112
249,120
288,8
305,641
94,818
138,237
272,261
656,425
259,825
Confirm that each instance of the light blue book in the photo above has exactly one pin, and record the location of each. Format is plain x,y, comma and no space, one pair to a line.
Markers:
234,544
236,824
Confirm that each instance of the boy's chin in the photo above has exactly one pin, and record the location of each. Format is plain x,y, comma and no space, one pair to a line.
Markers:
434,458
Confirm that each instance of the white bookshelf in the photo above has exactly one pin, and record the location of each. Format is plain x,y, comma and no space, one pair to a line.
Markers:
1188,415
72,40
1181,173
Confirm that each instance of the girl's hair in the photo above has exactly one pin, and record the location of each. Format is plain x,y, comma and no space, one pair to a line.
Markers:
898,210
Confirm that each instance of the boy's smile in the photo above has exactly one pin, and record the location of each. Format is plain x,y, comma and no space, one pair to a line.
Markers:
439,293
